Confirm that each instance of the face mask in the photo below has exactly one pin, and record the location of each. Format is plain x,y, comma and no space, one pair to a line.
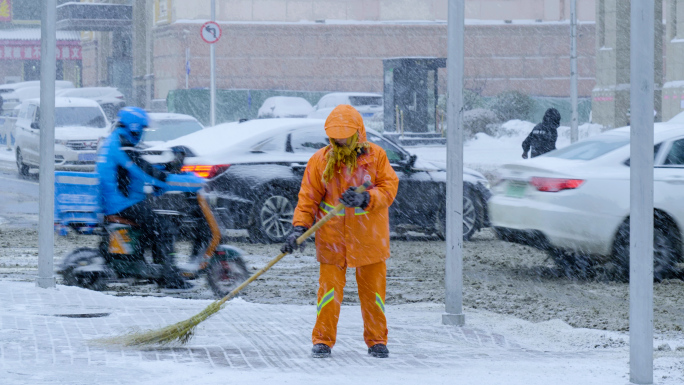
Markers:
342,157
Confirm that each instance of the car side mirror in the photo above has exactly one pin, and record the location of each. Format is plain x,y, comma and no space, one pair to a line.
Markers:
411,161
35,126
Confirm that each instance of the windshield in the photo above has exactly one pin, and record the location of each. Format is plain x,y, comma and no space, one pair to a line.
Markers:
591,148
365,100
79,116
164,130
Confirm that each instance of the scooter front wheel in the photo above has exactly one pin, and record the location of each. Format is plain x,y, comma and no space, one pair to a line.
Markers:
80,268
225,275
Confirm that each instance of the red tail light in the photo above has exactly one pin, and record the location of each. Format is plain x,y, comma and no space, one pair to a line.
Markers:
555,184
204,171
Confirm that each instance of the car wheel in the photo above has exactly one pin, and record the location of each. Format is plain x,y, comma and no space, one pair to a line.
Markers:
571,264
472,209
21,167
666,247
273,216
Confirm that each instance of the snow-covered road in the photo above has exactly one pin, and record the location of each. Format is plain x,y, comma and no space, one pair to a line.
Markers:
18,196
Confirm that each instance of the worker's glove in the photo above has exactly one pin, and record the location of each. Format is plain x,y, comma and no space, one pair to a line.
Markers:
291,242
351,198
525,155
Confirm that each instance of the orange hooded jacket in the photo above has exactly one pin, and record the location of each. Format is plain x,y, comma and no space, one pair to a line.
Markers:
356,237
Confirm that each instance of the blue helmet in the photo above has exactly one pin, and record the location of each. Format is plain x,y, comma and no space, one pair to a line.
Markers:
133,120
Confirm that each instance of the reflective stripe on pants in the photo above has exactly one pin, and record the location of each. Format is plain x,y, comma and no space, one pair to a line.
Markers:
371,280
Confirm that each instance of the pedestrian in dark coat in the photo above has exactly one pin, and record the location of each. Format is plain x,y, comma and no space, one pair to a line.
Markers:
543,137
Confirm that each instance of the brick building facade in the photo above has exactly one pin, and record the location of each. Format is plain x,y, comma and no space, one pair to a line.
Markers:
530,57
338,45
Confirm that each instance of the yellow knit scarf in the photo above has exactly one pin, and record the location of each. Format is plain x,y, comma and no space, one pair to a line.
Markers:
343,156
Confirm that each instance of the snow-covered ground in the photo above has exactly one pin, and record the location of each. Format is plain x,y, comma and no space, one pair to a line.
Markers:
6,155
41,346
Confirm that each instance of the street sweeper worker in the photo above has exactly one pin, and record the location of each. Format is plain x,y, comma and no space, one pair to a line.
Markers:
357,237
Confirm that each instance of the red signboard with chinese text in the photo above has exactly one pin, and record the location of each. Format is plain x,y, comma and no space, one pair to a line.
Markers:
30,50
5,10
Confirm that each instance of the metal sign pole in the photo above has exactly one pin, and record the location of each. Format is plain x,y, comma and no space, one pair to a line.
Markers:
642,67
46,205
573,71
212,54
454,205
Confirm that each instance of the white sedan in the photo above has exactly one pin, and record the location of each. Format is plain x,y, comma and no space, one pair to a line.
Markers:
574,202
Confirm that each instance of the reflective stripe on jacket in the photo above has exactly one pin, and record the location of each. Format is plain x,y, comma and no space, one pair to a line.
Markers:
355,237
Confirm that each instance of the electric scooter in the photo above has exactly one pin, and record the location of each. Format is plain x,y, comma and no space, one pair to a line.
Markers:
123,254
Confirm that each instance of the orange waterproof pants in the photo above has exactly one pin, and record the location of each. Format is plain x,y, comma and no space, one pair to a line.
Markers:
371,280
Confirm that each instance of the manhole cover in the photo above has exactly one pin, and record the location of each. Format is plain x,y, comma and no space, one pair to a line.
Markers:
83,315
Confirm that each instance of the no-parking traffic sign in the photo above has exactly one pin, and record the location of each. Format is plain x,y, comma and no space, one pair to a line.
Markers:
210,32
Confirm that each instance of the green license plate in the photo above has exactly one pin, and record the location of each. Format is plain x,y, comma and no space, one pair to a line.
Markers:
516,189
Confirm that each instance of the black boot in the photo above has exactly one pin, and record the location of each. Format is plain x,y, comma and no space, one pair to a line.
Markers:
378,350
176,282
172,279
171,275
320,351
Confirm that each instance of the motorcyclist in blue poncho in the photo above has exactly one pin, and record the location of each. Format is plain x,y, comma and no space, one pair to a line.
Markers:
123,176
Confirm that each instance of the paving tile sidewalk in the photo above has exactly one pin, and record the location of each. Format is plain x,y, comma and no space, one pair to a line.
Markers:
38,329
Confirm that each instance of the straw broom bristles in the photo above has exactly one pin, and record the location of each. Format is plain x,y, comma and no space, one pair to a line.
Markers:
183,331
179,332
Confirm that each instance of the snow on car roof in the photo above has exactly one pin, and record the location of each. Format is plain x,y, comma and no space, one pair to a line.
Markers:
661,131
169,116
354,94
225,136
69,102
81,89
286,98
59,84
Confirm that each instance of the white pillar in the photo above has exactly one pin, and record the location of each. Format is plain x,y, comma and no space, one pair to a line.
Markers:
641,192
454,206
212,54
46,205
574,135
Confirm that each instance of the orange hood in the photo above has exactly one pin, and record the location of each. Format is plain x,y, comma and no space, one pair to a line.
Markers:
343,122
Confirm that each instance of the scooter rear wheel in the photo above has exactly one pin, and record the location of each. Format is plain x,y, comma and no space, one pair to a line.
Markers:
224,276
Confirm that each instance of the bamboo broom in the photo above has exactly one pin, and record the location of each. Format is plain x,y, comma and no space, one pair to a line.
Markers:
183,331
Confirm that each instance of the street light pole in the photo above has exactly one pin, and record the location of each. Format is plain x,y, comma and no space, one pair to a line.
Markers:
574,135
642,67
212,54
46,180
454,205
